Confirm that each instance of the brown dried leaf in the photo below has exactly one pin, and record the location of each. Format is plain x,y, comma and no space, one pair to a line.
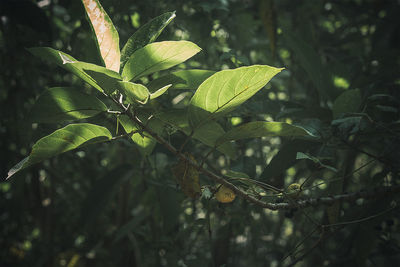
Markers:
187,177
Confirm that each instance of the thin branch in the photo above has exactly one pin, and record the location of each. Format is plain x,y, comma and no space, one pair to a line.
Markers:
293,251
377,193
323,237
124,135
362,219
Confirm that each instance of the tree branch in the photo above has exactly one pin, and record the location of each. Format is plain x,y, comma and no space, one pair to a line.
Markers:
376,193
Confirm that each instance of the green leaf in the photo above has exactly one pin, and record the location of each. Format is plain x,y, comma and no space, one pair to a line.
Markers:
160,91
208,134
62,140
105,78
97,76
349,125
105,33
60,58
348,102
182,79
158,56
301,155
146,34
176,118
144,142
261,129
310,60
134,92
284,159
235,174
65,103
227,89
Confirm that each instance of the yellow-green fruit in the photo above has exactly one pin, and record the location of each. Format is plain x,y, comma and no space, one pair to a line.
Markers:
294,191
225,194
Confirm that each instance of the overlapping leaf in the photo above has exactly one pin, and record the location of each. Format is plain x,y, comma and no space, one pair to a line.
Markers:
105,33
65,103
158,56
146,34
68,138
262,128
134,92
227,89
144,141
105,78
99,77
349,101
58,57
207,134
181,79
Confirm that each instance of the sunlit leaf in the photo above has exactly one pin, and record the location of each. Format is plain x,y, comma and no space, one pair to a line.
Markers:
158,56
146,34
261,129
160,91
65,103
226,90
107,79
134,92
105,33
97,76
62,140
59,58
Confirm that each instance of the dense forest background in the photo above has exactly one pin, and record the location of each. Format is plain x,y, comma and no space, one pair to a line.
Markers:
113,205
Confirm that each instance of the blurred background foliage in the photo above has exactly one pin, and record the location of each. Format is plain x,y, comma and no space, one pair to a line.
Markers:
109,205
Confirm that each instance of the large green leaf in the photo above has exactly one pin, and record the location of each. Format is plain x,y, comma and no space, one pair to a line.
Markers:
311,62
349,101
207,134
68,138
158,56
97,76
146,34
65,103
134,92
181,79
227,89
105,33
284,159
262,128
59,58
105,78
